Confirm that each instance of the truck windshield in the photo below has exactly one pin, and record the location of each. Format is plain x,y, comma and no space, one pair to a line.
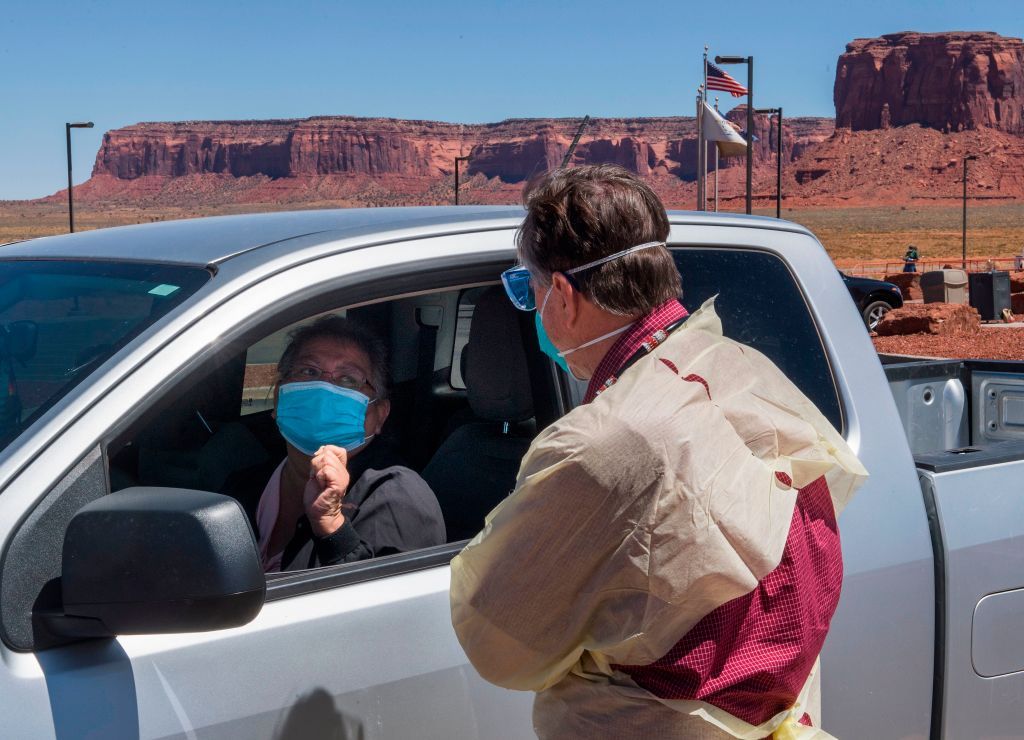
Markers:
59,320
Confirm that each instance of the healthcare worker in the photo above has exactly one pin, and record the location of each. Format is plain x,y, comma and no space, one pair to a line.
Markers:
669,561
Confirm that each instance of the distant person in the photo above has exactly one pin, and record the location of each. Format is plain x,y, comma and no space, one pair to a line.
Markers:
910,259
1018,261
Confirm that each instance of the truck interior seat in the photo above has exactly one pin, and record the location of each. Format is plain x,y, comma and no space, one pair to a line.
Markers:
476,466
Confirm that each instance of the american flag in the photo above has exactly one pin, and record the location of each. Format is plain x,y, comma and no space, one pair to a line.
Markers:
721,80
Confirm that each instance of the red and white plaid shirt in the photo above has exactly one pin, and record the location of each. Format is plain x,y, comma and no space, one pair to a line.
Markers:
631,341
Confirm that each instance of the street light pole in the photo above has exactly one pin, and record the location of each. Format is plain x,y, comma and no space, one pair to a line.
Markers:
716,164
750,120
71,204
778,164
967,159
778,168
457,160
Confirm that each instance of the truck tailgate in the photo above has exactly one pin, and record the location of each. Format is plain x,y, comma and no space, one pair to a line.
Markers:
964,421
975,503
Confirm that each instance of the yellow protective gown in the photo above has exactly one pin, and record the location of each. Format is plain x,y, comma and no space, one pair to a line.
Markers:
635,516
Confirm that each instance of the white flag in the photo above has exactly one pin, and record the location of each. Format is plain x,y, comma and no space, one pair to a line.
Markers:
720,131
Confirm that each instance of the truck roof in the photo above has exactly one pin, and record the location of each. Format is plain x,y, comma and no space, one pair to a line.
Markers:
205,241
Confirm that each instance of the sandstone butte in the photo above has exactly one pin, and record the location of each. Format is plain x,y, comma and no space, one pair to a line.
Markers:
908,107
949,82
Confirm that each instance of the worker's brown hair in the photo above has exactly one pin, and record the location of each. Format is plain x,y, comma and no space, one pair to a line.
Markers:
580,214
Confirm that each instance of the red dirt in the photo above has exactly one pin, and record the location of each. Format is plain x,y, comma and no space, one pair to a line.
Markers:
986,344
947,330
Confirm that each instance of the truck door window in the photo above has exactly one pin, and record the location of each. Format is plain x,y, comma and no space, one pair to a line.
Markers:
217,432
761,305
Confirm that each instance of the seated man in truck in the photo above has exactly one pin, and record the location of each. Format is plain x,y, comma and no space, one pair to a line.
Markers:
341,494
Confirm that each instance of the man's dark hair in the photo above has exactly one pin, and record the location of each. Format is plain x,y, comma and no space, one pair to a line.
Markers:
577,215
343,330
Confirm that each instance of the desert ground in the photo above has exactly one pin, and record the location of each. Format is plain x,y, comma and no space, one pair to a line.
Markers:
858,238
851,235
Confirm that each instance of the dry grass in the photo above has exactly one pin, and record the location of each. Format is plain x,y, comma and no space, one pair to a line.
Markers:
884,233
849,234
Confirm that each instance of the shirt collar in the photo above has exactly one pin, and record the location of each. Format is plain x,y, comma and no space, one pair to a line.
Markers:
632,340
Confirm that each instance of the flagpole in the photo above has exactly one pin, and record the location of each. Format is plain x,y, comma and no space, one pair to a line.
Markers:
750,134
700,140
716,150
705,86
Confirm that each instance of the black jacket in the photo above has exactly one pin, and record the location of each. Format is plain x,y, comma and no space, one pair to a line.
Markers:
388,509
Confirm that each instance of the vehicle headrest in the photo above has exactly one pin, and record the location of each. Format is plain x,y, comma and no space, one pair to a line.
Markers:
495,371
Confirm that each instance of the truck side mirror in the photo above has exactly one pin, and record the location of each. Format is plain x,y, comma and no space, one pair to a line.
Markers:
157,560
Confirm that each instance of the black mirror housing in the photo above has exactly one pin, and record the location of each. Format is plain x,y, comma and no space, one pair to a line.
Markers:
159,560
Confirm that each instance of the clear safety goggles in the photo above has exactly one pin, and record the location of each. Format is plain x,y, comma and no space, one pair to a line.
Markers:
518,284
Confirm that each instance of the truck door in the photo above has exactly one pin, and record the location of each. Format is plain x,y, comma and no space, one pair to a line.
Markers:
363,650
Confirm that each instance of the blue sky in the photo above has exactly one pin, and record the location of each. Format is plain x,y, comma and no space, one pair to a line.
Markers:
118,63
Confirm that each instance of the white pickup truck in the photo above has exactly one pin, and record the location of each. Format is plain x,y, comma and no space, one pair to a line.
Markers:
136,367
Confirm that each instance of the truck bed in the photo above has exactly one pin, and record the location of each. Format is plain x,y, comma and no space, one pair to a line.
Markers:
958,409
964,420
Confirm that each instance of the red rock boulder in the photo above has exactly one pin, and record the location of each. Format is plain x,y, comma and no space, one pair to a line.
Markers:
908,282
944,319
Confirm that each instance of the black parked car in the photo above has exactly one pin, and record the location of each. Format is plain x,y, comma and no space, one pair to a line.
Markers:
874,298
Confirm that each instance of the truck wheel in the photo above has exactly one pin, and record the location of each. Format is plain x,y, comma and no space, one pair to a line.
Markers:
874,312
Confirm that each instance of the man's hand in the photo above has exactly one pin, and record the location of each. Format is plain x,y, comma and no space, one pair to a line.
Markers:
328,483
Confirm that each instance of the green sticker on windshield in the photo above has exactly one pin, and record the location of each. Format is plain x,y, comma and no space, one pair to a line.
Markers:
163,290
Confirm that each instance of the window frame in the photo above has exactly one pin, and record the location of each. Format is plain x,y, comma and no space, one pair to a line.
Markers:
299,583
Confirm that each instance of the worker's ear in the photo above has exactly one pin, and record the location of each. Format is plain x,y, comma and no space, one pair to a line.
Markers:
568,296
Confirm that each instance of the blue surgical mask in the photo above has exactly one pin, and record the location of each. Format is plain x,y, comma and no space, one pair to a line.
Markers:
544,341
548,347
316,413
